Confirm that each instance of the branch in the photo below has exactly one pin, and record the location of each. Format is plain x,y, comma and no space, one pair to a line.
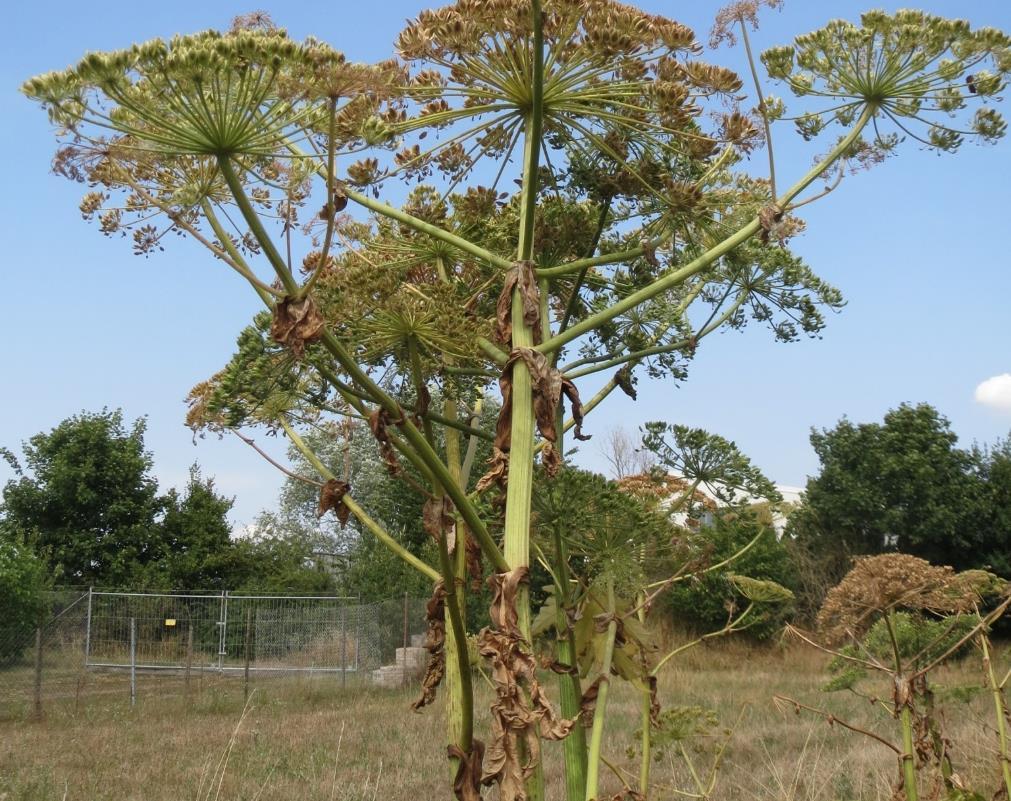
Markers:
761,106
363,517
676,277
252,444
856,660
797,705
386,210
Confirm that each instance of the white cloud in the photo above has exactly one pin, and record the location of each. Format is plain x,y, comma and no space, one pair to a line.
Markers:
995,392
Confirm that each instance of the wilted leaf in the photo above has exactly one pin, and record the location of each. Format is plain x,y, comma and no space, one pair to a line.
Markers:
295,323
520,277
467,782
379,420
331,496
435,644
521,713
439,521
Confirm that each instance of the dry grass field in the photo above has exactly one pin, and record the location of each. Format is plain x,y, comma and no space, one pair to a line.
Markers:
305,739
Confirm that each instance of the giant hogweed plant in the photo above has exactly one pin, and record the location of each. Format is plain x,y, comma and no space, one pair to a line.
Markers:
633,236
897,617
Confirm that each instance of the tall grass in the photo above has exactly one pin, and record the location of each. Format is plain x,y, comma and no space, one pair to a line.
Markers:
305,740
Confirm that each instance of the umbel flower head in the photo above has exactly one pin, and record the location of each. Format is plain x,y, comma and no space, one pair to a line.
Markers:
620,87
928,76
247,92
881,584
156,120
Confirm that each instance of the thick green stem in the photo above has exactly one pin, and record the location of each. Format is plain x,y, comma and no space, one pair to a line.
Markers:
1001,710
645,719
600,712
460,714
516,528
569,690
256,226
908,755
676,277
521,450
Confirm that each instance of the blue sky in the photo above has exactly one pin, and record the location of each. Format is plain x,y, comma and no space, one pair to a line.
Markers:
918,246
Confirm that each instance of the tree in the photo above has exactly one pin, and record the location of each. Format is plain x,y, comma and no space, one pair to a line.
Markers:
632,238
195,538
89,501
623,454
23,581
897,485
994,523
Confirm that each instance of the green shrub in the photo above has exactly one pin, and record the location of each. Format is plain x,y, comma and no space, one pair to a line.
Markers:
22,598
704,604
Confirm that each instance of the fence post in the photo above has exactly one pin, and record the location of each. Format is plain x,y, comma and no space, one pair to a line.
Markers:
248,644
189,657
37,711
406,643
344,646
87,630
223,626
133,661
358,636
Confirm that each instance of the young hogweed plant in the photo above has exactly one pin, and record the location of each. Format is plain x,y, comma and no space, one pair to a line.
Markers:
900,617
633,236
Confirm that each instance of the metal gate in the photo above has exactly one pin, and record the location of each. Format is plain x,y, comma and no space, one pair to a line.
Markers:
224,631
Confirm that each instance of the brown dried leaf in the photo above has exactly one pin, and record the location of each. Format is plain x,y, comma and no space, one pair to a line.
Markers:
331,496
577,409
295,323
520,277
654,700
467,782
521,713
438,519
475,569
628,794
379,421
623,378
588,703
424,400
649,253
505,587
768,217
435,644
498,470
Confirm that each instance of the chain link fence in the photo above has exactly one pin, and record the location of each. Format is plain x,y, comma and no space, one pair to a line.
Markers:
99,644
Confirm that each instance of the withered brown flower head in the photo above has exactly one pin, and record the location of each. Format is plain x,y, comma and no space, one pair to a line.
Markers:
880,584
731,17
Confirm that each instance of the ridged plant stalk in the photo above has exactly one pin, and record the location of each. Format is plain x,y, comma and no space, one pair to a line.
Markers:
909,787
1001,712
645,717
460,700
904,700
457,656
516,531
569,690
600,712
